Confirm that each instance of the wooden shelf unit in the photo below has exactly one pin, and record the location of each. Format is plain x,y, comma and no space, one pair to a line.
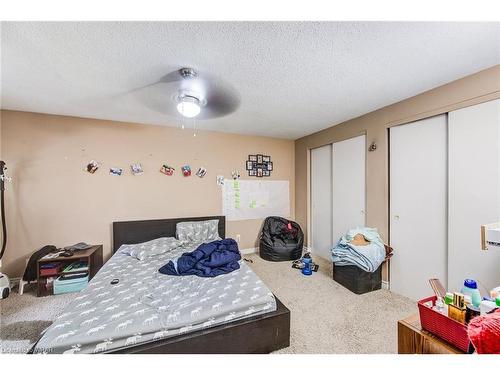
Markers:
93,257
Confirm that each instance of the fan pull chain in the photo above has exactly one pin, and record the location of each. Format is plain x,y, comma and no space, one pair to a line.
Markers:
183,118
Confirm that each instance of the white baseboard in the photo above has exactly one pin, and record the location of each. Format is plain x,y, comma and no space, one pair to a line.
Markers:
385,285
249,250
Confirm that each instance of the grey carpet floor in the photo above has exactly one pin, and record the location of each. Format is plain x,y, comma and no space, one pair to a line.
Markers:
325,317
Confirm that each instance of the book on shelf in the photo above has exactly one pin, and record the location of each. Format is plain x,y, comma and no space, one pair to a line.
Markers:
77,266
71,276
50,265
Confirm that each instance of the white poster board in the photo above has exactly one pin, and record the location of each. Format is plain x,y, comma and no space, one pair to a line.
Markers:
250,199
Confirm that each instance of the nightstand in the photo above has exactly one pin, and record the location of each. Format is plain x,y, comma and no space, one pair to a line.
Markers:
412,339
93,257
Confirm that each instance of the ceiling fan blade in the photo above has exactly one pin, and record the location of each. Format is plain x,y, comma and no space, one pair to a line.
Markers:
220,101
217,97
155,98
167,78
174,76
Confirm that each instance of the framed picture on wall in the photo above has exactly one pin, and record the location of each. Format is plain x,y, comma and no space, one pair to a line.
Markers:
259,165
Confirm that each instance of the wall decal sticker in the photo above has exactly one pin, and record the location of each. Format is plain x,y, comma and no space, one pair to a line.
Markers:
167,170
186,171
115,171
92,166
202,171
136,169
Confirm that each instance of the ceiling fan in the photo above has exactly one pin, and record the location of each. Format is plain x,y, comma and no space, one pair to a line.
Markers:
190,93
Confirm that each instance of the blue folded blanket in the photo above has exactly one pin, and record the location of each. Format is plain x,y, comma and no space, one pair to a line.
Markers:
208,260
368,257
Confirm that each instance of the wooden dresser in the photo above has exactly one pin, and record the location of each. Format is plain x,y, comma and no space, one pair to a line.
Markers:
413,340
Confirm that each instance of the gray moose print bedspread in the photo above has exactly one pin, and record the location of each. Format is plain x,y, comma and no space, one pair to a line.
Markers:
146,305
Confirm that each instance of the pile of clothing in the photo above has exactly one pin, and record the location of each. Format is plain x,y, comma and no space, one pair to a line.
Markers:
361,247
484,333
208,260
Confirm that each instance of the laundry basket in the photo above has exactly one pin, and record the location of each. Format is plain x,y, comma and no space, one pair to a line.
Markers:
446,328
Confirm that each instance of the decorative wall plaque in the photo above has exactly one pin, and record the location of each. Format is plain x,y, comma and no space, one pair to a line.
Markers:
259,165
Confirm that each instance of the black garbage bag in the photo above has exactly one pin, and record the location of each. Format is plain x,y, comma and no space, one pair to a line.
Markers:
280,239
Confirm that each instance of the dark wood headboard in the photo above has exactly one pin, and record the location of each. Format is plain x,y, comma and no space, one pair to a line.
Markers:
132,232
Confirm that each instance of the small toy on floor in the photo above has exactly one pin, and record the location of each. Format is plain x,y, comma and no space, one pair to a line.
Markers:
306,264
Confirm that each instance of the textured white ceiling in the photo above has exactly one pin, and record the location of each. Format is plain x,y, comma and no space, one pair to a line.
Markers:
294,78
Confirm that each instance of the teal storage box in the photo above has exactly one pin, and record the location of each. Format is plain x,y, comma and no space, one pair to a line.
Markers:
63,284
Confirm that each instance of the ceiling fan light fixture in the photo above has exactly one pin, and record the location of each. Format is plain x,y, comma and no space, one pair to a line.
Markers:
189,106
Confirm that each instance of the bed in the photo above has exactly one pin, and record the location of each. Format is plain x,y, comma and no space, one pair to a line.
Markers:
147,312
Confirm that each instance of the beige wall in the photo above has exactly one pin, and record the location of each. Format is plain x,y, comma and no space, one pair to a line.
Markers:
480,87
53,201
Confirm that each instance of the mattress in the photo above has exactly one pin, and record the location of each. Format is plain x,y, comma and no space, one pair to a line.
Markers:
145,305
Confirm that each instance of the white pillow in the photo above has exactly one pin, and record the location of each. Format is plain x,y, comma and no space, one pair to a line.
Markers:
151,248
198,231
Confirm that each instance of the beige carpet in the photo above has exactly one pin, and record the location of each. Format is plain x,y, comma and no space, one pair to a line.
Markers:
326,317
23,318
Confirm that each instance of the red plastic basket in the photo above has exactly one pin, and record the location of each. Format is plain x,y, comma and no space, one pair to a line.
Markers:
446,328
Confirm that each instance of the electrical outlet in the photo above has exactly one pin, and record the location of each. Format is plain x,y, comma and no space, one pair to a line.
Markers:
238,238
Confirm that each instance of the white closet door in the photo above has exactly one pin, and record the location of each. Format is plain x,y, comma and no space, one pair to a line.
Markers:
348,185
321,201
474,192
418,206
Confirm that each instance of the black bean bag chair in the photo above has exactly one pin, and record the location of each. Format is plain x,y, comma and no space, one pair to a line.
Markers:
280,240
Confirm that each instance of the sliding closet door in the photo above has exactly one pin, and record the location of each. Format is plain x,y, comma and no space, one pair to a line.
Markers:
418,206
348,185
474,192
321,201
